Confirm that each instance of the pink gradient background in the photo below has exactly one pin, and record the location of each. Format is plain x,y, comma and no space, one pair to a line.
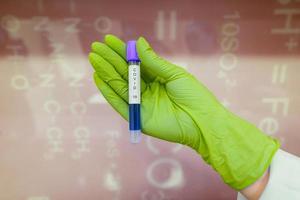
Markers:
60,139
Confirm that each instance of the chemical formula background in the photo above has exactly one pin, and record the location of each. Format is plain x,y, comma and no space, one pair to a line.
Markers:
61,140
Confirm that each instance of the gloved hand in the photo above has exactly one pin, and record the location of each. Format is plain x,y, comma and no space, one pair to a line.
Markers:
176,107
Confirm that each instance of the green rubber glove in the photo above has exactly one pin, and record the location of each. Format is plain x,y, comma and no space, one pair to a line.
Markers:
176,107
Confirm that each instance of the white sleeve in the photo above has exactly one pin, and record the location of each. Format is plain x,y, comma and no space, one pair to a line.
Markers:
284,180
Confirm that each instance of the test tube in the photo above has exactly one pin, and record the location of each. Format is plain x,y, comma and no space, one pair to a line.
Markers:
134,91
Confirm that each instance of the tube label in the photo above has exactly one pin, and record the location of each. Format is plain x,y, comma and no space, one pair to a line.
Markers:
134,80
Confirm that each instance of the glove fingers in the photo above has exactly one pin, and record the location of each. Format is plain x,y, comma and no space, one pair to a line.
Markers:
112,57
116,44
120,47
156,64
112,97
109,75
115,60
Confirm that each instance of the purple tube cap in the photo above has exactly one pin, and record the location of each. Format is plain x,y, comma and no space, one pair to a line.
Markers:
131,52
